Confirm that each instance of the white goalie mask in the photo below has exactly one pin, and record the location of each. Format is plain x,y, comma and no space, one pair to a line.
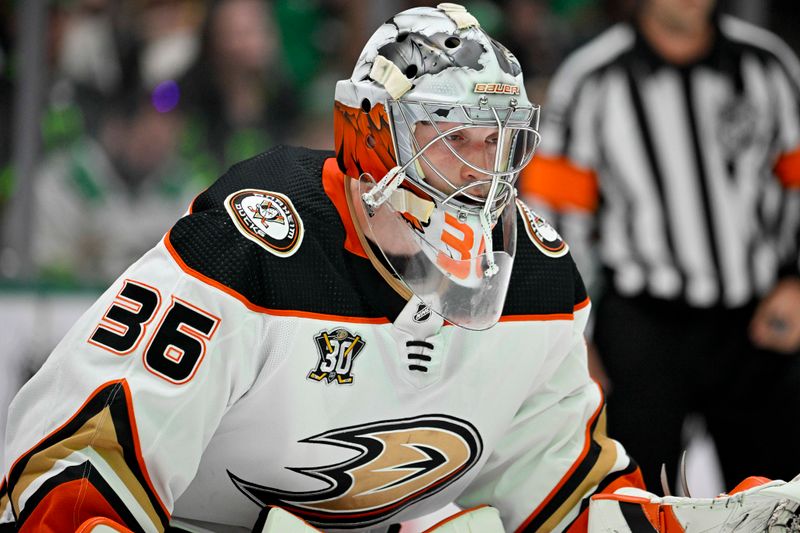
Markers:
435,125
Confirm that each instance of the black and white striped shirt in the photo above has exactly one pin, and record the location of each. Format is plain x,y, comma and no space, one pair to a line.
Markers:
689,170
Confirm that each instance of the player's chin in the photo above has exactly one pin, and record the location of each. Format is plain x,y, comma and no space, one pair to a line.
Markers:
474,195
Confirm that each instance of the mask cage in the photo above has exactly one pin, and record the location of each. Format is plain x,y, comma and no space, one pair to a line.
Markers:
517,138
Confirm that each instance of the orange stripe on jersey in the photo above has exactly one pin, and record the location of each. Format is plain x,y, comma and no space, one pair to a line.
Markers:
561,184
257,308
536,318
138,449
334,183
788,169
58,510
581,305
559,504
580,524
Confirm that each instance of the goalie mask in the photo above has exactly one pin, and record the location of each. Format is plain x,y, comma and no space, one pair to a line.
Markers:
435,126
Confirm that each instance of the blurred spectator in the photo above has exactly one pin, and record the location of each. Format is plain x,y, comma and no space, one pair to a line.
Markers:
235,98
157,40
320,42
67,108
88,53
75,95
541,32
679,134
169,29
100,203
6,99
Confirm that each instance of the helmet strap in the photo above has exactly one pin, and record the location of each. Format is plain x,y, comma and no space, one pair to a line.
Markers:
486,226
389,75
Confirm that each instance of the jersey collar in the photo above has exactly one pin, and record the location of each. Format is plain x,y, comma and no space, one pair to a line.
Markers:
333,181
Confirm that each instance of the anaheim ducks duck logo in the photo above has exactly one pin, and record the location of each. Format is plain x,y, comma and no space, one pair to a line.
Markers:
399,462
543,235
268,219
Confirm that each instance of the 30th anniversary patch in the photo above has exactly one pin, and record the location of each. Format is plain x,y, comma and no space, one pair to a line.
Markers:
337,351
268,219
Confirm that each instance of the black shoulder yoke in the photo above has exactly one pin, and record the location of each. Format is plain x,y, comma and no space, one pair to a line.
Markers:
541,284
317,278
321,276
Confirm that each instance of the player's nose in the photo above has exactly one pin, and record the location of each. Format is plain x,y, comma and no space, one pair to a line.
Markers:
469,173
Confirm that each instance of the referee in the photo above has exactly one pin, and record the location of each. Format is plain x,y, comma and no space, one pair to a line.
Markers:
671,155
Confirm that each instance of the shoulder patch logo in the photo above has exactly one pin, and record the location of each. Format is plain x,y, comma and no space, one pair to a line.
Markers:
337,351
543,235
268,219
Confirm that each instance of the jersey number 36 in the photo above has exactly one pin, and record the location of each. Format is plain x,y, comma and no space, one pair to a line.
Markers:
176,346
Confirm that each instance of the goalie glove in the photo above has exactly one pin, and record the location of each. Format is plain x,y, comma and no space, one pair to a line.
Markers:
755,505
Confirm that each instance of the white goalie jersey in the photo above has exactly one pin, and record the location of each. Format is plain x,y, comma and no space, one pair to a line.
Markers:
255,358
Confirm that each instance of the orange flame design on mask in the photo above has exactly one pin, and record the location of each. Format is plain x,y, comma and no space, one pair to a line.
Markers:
363,141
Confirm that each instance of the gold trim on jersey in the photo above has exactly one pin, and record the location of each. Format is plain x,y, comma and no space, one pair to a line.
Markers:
103,427
602,466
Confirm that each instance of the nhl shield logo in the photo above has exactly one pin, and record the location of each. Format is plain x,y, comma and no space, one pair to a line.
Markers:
268,219
422,314
337,350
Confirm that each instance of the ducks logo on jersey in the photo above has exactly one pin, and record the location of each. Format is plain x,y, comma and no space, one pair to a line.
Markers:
396,463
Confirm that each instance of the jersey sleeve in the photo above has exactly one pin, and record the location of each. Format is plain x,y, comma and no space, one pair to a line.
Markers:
556,453
113,426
